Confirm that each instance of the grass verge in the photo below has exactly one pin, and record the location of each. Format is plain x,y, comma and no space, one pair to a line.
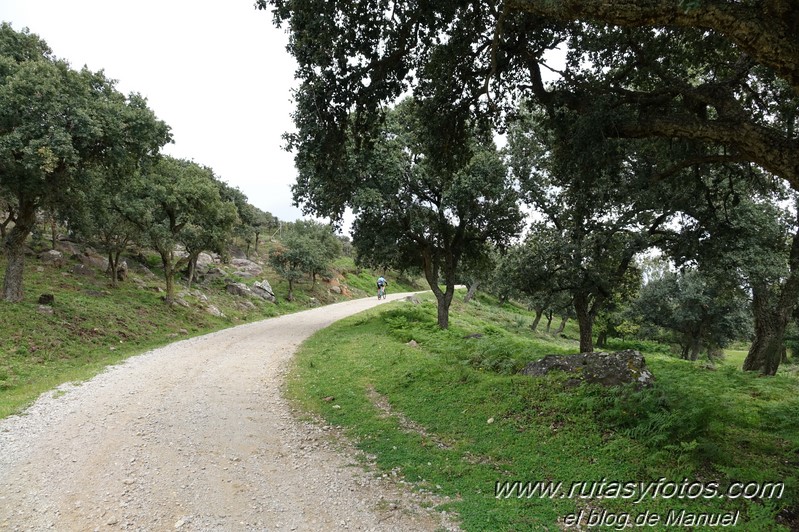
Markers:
451,415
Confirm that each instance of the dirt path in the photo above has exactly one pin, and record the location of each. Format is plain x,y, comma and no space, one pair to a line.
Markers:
194,436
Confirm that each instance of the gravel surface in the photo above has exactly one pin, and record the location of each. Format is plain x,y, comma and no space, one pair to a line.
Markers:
197,436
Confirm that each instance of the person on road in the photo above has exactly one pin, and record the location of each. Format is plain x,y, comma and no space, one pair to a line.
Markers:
381,285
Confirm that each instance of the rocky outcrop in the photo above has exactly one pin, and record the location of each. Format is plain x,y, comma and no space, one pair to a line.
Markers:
52,258
246,268
608,369
264,290
261,290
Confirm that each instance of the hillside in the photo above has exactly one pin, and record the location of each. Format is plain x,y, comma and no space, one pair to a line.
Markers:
90,324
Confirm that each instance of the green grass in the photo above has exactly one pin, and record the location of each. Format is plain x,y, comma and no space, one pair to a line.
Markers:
459,418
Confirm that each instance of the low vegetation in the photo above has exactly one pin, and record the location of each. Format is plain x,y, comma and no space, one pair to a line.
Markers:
446,410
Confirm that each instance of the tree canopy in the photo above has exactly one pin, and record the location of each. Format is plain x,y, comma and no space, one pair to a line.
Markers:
419,206
57,123
702,93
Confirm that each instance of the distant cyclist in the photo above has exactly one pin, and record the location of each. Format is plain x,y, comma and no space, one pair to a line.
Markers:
381,287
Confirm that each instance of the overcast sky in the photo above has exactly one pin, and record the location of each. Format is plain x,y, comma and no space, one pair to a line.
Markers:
217,72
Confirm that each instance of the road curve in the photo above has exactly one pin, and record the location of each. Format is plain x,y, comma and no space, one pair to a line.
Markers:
195,436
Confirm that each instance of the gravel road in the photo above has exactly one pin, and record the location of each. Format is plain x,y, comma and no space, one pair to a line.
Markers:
196,436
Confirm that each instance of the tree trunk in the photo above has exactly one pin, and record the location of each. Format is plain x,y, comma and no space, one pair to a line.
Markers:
470,293
113,265
53,232
696,347
550,315
772,315
192,268
169,275
538,313
765,352
586,323
14,245
290,297
684,351
562,325
602,339
444,299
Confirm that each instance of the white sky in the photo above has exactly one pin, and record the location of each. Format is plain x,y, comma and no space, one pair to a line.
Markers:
217,72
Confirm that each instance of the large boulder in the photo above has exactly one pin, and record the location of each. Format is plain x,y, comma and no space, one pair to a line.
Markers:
68,247
92,259
52,258
246,268
239,289
264,289
204,261
608,369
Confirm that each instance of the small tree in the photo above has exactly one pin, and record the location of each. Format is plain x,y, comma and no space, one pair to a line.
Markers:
702,310
306,248
422,203
177,201
98,215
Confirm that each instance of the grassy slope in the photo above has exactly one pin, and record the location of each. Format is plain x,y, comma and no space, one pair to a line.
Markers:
93,325
460,420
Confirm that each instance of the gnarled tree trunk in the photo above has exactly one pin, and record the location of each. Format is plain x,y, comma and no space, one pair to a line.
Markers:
538,313
585,319
772,312
14,246
470,293
765,353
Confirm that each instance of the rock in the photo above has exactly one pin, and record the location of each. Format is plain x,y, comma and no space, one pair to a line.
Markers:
239,289
210,309
247,266
180,301
412,343
67,247
81,269
52,258
413,299
46,299
91,259
245,305
204,261
264,289
44,309
608,369
335,289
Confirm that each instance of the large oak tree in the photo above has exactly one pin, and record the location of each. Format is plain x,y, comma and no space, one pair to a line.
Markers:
55,124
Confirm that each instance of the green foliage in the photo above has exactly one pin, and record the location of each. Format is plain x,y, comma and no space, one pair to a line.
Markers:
421,206
699,310
306,248
56,126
